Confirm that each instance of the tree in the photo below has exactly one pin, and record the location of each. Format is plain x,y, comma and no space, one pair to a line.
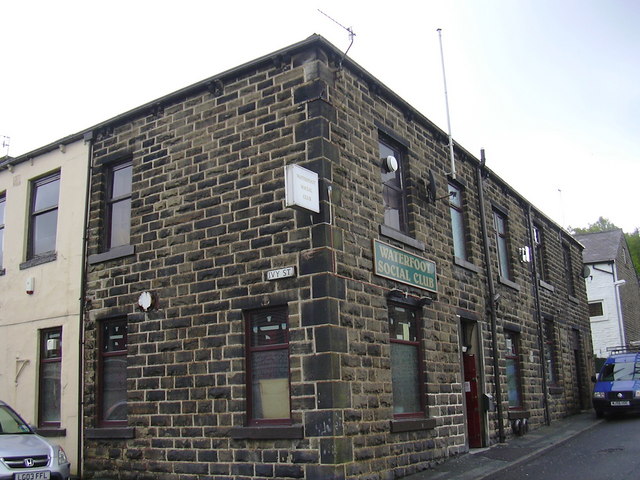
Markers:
601,225
633,241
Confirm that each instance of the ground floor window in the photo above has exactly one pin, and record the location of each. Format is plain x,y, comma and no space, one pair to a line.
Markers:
49,393
406,373
268,388
550,353
514,381
113,372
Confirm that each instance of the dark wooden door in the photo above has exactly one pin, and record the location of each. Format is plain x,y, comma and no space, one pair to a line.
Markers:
474,422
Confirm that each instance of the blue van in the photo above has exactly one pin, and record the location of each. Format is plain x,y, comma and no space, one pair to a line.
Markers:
617,387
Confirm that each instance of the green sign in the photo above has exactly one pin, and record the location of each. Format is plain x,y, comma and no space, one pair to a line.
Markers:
395,264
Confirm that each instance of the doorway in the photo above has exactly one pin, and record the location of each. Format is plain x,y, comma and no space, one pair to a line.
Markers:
581,392
471,384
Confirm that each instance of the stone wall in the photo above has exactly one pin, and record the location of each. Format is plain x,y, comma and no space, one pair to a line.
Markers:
208,221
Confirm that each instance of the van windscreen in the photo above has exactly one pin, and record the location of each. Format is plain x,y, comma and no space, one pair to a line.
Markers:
613,372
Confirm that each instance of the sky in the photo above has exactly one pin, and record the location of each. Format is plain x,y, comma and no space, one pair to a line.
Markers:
549,89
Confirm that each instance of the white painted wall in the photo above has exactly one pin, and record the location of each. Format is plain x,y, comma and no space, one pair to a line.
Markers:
605,329
57,289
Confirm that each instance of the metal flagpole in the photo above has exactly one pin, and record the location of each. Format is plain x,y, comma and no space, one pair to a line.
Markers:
446,101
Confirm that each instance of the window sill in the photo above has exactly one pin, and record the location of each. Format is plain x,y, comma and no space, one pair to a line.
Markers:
555,390
516,414
110,433
412,425
546,286
51,432
598,319
461,262
113,254
573,299
271,432
39,260
508,283
401,237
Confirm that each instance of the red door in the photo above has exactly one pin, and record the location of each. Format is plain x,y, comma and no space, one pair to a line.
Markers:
474,427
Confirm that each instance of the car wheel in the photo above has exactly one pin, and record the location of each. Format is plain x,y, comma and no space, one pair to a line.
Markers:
599,413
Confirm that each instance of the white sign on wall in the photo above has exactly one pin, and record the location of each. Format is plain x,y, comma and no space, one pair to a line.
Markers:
301,188
279,273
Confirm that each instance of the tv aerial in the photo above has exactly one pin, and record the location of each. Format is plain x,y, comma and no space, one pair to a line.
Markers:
5,144
351,36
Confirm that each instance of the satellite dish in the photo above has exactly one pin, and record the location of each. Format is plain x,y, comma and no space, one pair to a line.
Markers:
586,271
432,187
391,163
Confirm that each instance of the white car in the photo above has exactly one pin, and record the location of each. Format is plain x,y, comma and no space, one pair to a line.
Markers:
25,455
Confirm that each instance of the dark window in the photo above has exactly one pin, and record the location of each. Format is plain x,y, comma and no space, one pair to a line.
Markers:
394,194
119,205
49,383
568,270
502,241
3,204
43,215
595,309
550,354
113,372
457,222
268,387
539,252
514,382
406,374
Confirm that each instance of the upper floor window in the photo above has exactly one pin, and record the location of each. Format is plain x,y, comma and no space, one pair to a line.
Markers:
43,215
502,242
457,222
268,390
406,371
3,204
49,391
118,211
394,195
113,373
568,269
539,252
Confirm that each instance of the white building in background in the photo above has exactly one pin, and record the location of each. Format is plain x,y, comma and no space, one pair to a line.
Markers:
612,289
42,218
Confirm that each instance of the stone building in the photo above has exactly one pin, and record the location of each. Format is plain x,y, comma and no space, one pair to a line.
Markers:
613,291
376,312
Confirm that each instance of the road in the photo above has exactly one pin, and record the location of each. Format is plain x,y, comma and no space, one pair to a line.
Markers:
610,450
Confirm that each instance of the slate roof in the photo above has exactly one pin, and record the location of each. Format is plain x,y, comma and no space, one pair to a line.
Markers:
600,246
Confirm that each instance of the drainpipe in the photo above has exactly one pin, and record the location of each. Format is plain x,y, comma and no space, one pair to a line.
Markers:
88,137
492,293
616,290
536,295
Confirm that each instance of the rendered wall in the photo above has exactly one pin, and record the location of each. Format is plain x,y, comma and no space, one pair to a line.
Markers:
55,301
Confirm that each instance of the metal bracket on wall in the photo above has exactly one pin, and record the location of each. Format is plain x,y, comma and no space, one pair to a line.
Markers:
20,364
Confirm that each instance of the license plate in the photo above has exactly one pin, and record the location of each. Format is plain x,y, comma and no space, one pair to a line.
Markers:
622,403
39,475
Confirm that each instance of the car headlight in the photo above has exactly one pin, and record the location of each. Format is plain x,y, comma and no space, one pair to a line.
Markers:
62,457
598,395
636,394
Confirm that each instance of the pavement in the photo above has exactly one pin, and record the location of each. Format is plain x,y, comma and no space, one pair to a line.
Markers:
483,463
